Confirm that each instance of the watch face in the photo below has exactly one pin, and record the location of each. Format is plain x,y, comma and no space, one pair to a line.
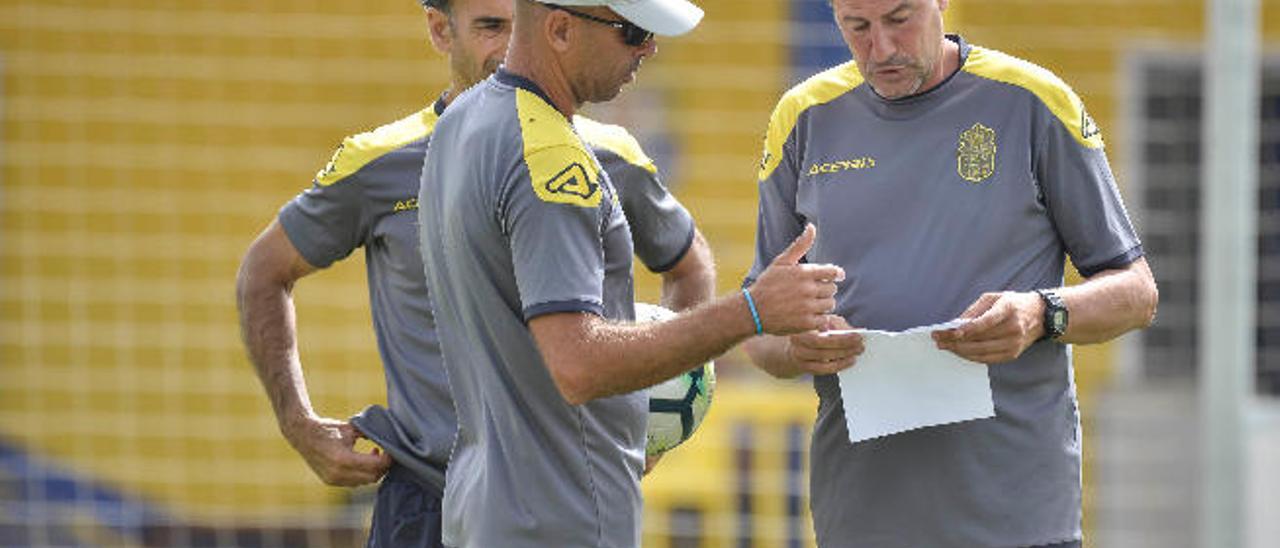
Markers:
1059,321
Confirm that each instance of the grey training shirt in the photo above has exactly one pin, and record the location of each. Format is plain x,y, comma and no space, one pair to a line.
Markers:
368,197
518,220
984,183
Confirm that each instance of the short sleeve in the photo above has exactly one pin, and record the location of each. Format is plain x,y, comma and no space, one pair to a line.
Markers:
777,220
661,227
555,231
1084,202
326,222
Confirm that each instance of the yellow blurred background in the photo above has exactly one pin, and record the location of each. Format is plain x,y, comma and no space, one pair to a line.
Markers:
144,143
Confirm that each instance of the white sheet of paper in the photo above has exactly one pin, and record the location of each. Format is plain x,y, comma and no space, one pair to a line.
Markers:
903,382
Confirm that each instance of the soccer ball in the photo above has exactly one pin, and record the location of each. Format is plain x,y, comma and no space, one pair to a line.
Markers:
678,405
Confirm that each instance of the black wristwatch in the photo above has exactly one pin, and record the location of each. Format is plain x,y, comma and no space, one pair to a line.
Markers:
1055,313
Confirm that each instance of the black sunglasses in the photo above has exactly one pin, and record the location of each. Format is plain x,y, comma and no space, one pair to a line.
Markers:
632,35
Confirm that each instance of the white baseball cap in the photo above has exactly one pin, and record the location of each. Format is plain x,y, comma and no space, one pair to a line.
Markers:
664,17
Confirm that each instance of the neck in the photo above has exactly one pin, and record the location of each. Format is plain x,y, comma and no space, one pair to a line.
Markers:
948,62
542,70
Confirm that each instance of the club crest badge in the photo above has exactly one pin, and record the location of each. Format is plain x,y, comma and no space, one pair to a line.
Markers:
976,153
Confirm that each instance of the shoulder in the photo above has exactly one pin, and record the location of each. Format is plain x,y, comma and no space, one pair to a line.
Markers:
1048,88
819,89
614,139
560,168
359,150
542,127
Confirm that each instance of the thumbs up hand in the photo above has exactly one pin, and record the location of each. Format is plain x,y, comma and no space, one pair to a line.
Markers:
798,247
792,297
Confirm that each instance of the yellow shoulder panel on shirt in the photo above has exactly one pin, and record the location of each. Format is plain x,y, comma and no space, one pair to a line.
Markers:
560,168
358,150
1051,90
818,89
615,139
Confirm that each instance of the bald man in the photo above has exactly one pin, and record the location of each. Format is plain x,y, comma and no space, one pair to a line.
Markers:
529,258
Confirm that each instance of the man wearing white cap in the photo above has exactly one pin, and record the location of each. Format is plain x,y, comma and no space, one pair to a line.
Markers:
529,256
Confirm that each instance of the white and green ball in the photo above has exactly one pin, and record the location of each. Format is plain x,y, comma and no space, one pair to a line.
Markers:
678,405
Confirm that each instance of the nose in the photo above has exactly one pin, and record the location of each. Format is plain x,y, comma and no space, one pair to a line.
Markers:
882,47
648,48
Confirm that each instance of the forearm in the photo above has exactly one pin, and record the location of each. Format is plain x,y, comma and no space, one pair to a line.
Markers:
1110,304
267,327
693,280
769,352
591,358
687,291
609,358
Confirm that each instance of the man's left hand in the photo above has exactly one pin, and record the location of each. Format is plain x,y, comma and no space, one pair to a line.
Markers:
1002,326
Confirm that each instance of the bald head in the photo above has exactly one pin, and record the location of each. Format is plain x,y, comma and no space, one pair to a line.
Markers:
528,21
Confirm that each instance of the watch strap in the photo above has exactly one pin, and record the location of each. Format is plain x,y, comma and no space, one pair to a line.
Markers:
1054,307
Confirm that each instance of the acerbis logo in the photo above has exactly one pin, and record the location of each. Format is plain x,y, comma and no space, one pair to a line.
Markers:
865,162
1088,128
405,205
573,180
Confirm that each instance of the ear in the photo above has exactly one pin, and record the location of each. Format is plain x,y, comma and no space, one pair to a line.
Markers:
942,5
559,29
440,28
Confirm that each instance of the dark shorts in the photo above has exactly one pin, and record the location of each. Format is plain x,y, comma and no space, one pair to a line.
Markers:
406,512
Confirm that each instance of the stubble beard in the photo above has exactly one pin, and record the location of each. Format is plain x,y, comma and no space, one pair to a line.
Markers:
915,69
613,88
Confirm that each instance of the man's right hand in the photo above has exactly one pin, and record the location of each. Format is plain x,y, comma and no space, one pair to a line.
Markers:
328,446
263,296
792,297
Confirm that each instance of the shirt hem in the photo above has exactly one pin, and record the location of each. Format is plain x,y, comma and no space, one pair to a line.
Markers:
315,258
553,307
1120,261
684,250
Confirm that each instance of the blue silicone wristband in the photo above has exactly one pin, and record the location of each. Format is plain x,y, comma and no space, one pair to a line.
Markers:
755,314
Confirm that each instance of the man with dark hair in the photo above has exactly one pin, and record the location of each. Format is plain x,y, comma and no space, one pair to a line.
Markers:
957,180
367,197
